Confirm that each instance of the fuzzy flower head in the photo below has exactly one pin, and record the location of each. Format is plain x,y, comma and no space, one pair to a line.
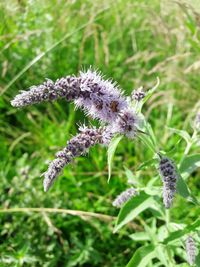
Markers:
78,145
190,250
138,94
168,174
124,197
100,98
126,123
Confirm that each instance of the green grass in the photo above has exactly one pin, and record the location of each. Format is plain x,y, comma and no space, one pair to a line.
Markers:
131,41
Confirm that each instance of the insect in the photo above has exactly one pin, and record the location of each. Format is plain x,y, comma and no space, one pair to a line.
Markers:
114,106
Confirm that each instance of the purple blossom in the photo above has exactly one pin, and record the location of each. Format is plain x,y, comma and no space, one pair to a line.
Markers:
77,146
126,123
169,177
190,250
124,197
67,88
101,99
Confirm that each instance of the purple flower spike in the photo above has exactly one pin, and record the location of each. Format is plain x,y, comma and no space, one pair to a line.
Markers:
124,197
190,250
169,177
67,88
77,146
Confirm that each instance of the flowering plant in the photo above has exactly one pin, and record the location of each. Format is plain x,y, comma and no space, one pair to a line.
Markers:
120,116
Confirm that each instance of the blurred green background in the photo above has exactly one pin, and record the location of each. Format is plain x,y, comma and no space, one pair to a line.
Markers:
132,41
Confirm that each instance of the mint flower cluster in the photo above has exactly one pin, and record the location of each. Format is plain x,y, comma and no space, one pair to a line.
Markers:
103,100
100,99
169,177
190,250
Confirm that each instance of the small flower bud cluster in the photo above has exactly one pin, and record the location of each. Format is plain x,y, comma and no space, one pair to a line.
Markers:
77,146
190,250
169,177
138,94
67,88
124,197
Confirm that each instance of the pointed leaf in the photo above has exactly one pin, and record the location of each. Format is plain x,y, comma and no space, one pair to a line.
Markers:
189,165
183,190
148,95
180,233
111,151
181,133
132,179
142,256
140,236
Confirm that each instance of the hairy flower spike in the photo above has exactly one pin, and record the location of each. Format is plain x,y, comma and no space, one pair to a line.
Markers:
124,197
169,177
100,98
67,88
190,250
138,94
77,146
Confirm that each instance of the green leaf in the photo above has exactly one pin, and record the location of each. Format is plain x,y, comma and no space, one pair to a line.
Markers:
132,179
162,255
111,151
140,236
180,233
181,133
189,165
142,256
132,208
148,95
183,190
147,163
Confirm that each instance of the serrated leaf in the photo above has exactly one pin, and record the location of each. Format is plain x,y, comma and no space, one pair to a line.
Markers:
189,165
180,233
111,151
142,256
181,133
133,208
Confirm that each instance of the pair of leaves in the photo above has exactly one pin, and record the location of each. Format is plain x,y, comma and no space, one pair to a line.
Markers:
145,254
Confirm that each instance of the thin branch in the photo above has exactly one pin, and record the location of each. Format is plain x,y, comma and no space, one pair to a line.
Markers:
80,213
